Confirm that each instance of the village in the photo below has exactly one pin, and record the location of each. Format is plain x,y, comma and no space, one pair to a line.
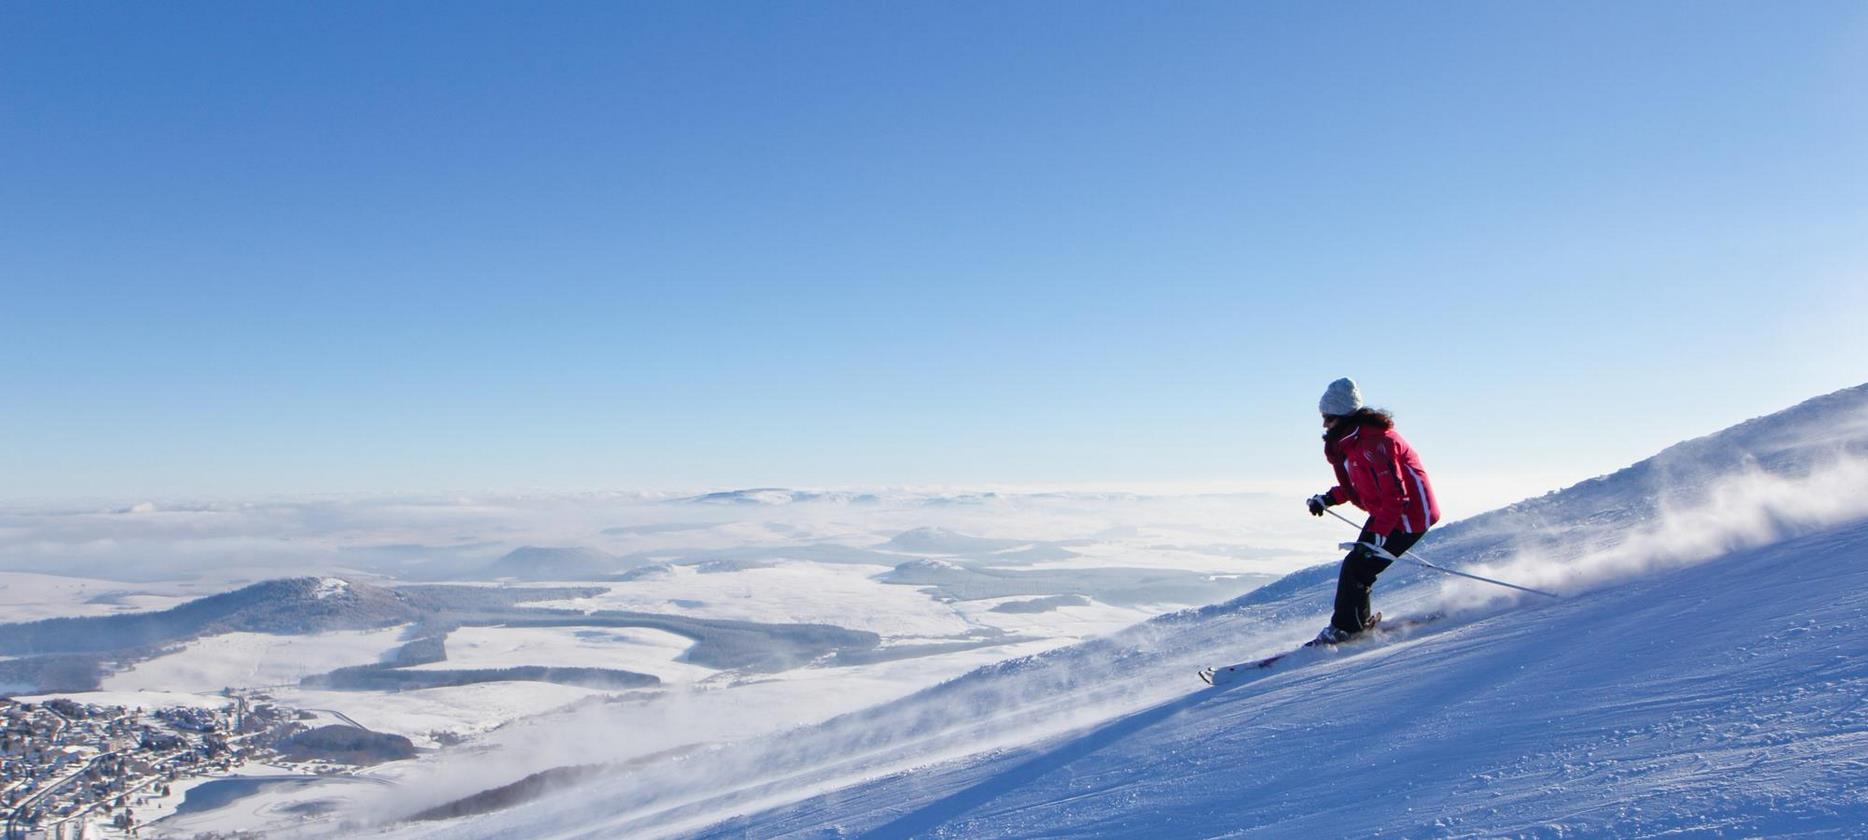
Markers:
75,770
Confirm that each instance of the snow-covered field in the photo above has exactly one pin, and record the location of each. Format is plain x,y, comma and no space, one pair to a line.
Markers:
285,797
254,660
789,592
459,710
1072,621
636,649
138,699
25,596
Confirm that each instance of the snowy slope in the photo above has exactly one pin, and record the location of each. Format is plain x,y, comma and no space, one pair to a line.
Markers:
1705,672
1731,698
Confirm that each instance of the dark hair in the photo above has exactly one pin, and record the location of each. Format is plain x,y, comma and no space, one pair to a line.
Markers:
1379,418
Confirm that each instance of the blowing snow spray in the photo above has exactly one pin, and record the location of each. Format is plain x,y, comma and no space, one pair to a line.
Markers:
1218,676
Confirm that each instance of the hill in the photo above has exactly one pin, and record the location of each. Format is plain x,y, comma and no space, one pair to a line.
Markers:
1703,675
284,606
531,562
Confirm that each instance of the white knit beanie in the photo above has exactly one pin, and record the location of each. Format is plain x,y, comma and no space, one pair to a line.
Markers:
1341,399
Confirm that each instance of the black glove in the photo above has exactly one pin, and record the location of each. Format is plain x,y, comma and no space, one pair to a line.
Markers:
1318,504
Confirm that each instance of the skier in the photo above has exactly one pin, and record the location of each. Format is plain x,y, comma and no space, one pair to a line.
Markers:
1378,472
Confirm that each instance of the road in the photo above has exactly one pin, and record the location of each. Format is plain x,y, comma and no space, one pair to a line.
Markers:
343,717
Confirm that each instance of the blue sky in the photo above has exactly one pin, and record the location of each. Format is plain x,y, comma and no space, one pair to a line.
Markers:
271,248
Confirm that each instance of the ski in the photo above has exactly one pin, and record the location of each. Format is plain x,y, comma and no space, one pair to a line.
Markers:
1377,630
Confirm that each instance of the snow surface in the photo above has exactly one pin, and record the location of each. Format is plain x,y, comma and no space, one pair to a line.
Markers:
330,587
788,592
29,596
152,808
1605,714
521,728
137,699
277,804
815,559
1705,674
524,728
460,710
637,649
1067,622
254,660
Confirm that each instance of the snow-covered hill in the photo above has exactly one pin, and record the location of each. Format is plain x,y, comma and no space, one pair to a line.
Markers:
1729,699
1706,672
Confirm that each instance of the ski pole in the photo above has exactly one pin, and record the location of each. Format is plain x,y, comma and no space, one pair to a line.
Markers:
1382,552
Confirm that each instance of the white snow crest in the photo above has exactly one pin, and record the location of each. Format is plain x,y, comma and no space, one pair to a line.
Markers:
328,587
1750,509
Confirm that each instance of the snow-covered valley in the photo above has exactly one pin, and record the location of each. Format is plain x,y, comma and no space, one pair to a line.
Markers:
483,631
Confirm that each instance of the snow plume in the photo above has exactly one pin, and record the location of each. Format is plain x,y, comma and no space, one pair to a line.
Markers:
1013,703
1743,510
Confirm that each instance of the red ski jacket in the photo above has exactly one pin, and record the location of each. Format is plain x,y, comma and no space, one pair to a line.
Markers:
1378,472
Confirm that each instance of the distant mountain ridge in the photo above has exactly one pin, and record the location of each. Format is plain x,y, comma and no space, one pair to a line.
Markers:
70,654
775,496
284,606
932,540
531,562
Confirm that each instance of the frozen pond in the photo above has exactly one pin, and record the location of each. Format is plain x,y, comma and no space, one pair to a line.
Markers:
223,792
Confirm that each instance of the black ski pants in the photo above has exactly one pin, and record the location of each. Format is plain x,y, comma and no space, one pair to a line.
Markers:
1358,577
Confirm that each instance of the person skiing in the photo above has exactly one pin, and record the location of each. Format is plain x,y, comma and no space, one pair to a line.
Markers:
1377,471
